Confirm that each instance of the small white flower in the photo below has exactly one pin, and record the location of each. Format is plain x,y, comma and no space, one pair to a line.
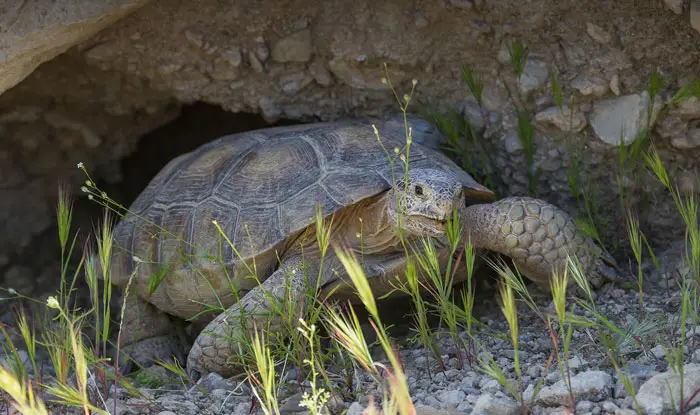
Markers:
12,291
52,302
136,259
84,189
414,82
81,165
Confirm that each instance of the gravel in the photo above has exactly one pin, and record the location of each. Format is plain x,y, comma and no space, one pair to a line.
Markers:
465,389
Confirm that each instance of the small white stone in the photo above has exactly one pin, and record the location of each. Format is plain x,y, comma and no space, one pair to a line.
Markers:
593,386
232,55
590,85
452,397
695,14
355,409
653,395
255,63
512,144
658,352
622,118
563,120
597,33
687,141
535,74
615,85
689,108
294,48
489,404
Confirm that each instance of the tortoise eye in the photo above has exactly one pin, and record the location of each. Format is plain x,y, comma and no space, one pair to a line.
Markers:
419,190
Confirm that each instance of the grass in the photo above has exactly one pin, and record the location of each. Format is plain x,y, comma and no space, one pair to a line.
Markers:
326,342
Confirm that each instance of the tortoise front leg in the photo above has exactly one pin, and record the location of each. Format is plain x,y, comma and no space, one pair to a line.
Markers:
217,341
537,236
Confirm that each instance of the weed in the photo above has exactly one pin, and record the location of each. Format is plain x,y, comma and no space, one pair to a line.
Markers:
264,383
510,311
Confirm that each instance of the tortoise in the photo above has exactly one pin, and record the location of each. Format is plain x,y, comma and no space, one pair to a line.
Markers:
261,188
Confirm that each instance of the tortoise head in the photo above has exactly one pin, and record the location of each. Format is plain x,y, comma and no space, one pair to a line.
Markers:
425,201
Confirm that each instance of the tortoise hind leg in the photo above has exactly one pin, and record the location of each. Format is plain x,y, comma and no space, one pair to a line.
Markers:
147,335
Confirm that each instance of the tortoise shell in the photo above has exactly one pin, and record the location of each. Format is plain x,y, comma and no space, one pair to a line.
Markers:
262,188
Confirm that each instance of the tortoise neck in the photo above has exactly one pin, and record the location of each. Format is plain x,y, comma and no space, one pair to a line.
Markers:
370,220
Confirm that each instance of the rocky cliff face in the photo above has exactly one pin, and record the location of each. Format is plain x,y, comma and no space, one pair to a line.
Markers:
308,61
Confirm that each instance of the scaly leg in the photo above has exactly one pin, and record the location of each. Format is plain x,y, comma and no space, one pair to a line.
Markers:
216,342
147,335
537,236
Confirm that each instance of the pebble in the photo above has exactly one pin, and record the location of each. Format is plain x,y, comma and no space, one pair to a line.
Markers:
597,33
452,397
355,409
233,56
687,141
512,144
593,385
419,20
690,108
615,84
211,382
621,118
255,63
320,73
292,83
472,112
261,50
535,75
562,119
195,37
695,14
658,351
584,406
590,85
293,48
577,362
658,394
363,78
487,404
